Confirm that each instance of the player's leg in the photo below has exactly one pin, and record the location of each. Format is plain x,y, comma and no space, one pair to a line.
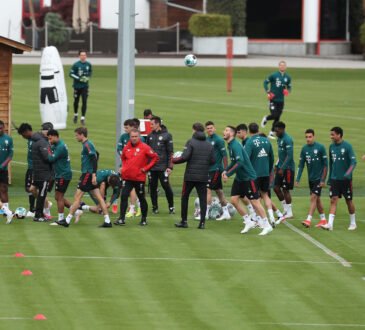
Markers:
132,204
84,95
139,187
287,185
185,193
42,187
347,188
335,193
127,187
31,197
77,94
153,191
201,189
4,197
223,202
166,186
96,193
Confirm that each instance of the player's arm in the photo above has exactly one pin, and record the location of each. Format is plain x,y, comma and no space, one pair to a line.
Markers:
238,158
267,82
300,167
57,154
73,71
153,159
186,155
352,157
115,195
289,154
288,85
90,71
170,151
10,154
223,151
325,166
330,167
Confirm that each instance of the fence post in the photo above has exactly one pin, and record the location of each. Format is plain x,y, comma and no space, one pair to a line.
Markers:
46,34
177,37
91,37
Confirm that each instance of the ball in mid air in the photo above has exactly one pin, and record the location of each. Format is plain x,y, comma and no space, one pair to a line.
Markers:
190,60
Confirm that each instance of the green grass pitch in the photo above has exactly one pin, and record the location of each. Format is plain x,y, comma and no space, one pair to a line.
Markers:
159,277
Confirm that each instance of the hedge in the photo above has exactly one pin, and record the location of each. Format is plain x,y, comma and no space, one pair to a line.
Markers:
210,25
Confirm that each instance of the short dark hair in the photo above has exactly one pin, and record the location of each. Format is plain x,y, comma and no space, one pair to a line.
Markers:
279,124
24,127
309,131
209,123
241,127
147,112
135,122
47,126
156,119
253,128
2,123
81,131
128,122
134,130
114,180
53,132
82,51
337,130
198,127
233,129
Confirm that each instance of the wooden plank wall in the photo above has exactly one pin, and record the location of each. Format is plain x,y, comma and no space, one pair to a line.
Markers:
5,86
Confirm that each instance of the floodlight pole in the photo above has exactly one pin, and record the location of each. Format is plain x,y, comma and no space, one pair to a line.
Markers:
126,73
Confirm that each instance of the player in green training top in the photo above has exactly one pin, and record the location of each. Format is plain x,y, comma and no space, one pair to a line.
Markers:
280,86
314,155
87,182
260,152
215,172
6,155
285,167
342,163
244,183
81,72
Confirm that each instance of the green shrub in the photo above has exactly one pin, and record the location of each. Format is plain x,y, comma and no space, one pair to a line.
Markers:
362,34
57,31
210,25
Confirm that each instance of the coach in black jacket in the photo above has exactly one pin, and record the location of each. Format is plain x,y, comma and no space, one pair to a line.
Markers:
199,155
42,169
161,142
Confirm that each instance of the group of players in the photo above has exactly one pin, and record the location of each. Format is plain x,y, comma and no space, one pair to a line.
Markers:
152,157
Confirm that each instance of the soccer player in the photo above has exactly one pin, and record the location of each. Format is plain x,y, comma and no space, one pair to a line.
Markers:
342,163
244,183
26,131
42,171
104,180
58,155
137,159
215,170
284,176
280,86
314,155
161,142
147,114
198,155
87,182
260,152
81,72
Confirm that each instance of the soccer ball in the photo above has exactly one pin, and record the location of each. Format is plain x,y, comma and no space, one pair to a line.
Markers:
20,213
190,60
231,209
215,211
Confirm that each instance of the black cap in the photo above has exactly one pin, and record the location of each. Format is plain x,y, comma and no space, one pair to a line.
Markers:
47,126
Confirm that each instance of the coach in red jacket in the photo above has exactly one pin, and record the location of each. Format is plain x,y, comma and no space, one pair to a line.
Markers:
137,159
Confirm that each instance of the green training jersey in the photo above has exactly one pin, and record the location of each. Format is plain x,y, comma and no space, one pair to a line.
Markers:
315,156
123,139
59,156
244,142
342,161
6,151
240,163
261,154
81,72
278,82
285,153
29,154
102,176
88,156
220,152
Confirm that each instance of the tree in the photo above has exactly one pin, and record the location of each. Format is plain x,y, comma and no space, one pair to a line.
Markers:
57,30
236,9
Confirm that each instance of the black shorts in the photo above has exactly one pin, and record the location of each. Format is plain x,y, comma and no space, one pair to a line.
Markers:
4,176
315,188
61,185
84,92
276,107
341,188
285,181
245,189
215,180
85,183
28,180
50,93
263,183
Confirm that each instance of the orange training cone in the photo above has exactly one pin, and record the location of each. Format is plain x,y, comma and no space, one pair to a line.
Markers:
39,317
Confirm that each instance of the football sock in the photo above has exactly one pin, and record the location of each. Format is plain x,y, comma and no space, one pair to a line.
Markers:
106,218
288,208
278,213
246,218
331,218
6,209
322,216
85,207
260,221
61,216
6,205
271,214
250,209
225,210
131,208
284,205
309,217
352,219
69,218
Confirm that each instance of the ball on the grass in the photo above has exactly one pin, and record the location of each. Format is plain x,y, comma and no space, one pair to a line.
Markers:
20,213
190,60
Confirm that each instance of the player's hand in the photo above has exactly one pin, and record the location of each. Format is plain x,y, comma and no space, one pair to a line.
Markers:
285,92
143,170
363,157
224,176
108,204
93,180
297,184
322,184
270,96
168,171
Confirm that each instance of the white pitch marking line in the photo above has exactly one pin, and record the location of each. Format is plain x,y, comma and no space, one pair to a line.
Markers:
316,324
319,245
177,259
14,318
